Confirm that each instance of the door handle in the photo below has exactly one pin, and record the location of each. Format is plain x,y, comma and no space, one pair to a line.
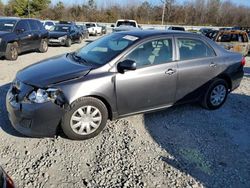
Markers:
213,65
170,71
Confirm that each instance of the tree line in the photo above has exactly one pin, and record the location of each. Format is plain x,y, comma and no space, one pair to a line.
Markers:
190,12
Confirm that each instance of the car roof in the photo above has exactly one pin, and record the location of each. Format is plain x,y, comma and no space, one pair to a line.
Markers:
149,33
64,25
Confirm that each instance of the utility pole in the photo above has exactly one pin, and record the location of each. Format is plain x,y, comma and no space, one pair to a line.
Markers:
163,12
29,8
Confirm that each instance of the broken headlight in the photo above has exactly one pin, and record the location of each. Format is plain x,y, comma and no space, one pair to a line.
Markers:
42,96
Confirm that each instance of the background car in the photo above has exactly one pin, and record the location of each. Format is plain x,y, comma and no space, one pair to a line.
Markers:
176,28
94,29
48,24
104,28
21,35
65,34
5,180
234,40
83,30
205,31
81,90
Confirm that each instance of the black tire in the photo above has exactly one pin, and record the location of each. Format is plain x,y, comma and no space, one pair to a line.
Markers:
68,42
207,99
43,46
79,103
11,51
80,40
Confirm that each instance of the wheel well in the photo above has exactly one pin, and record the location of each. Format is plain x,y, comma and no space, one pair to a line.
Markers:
227,79
106,104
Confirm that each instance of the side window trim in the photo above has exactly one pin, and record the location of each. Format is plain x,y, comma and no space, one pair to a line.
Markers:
191,38
174,57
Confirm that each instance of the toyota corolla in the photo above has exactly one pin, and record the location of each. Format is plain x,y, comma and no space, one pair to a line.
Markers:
119,75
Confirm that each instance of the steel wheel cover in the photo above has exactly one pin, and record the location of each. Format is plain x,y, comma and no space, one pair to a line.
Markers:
218,95
85,120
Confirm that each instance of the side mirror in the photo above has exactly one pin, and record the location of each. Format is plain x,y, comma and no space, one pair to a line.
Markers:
112,25
126,65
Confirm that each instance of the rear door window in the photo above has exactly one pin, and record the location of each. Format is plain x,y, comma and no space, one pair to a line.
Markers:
194,49
33,25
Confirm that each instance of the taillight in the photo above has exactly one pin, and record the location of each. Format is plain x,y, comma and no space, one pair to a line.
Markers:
243,61
9,182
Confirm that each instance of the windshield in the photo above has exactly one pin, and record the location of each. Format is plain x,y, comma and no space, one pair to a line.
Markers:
90,25
106,48
7,25
126,23
61,28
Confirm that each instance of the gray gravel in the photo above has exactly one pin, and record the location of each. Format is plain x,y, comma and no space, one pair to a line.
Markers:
184,146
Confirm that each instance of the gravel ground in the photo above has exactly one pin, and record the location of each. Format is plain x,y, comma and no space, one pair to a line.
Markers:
184,146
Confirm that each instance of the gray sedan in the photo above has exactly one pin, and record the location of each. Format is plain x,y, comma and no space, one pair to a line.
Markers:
119,75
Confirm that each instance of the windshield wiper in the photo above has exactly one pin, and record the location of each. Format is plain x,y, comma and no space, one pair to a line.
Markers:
79,58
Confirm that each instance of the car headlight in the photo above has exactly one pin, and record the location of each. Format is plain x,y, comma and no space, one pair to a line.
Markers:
63,37
42,96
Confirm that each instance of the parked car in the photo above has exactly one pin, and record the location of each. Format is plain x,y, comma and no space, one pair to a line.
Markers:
5,180
205,31
94,29
66,22
234,40
125,25
65,35
212,34
104,28
83,30
21,35
176,28
119,75
48,24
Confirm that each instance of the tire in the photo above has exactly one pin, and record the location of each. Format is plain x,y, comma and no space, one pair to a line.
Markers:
80,40
68,42
43,46
213,101
11,51
80,127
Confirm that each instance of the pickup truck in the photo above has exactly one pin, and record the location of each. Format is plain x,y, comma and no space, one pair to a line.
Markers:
94,28
125,25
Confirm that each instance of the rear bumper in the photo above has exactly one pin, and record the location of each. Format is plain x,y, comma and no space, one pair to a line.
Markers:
35,120
236,78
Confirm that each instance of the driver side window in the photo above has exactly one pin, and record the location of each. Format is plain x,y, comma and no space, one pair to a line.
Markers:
153,52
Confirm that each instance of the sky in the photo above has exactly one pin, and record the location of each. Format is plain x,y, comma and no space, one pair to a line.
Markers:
101,2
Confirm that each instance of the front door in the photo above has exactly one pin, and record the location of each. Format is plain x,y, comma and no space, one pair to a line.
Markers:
153,83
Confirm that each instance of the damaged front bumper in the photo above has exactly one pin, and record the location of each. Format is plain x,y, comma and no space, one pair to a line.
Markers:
32,119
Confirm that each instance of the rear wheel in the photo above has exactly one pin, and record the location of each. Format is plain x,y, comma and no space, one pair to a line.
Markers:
85,119
215,95
80,40
43,46
68,42
11,51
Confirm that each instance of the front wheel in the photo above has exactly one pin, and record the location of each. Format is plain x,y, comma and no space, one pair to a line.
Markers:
85,118
11,51
215,95
80,40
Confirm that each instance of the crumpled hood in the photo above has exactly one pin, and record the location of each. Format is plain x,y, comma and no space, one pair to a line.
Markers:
125,28
54,34
52,71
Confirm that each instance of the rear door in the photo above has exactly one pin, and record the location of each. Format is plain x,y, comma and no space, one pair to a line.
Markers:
35,34
153,84
197,64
